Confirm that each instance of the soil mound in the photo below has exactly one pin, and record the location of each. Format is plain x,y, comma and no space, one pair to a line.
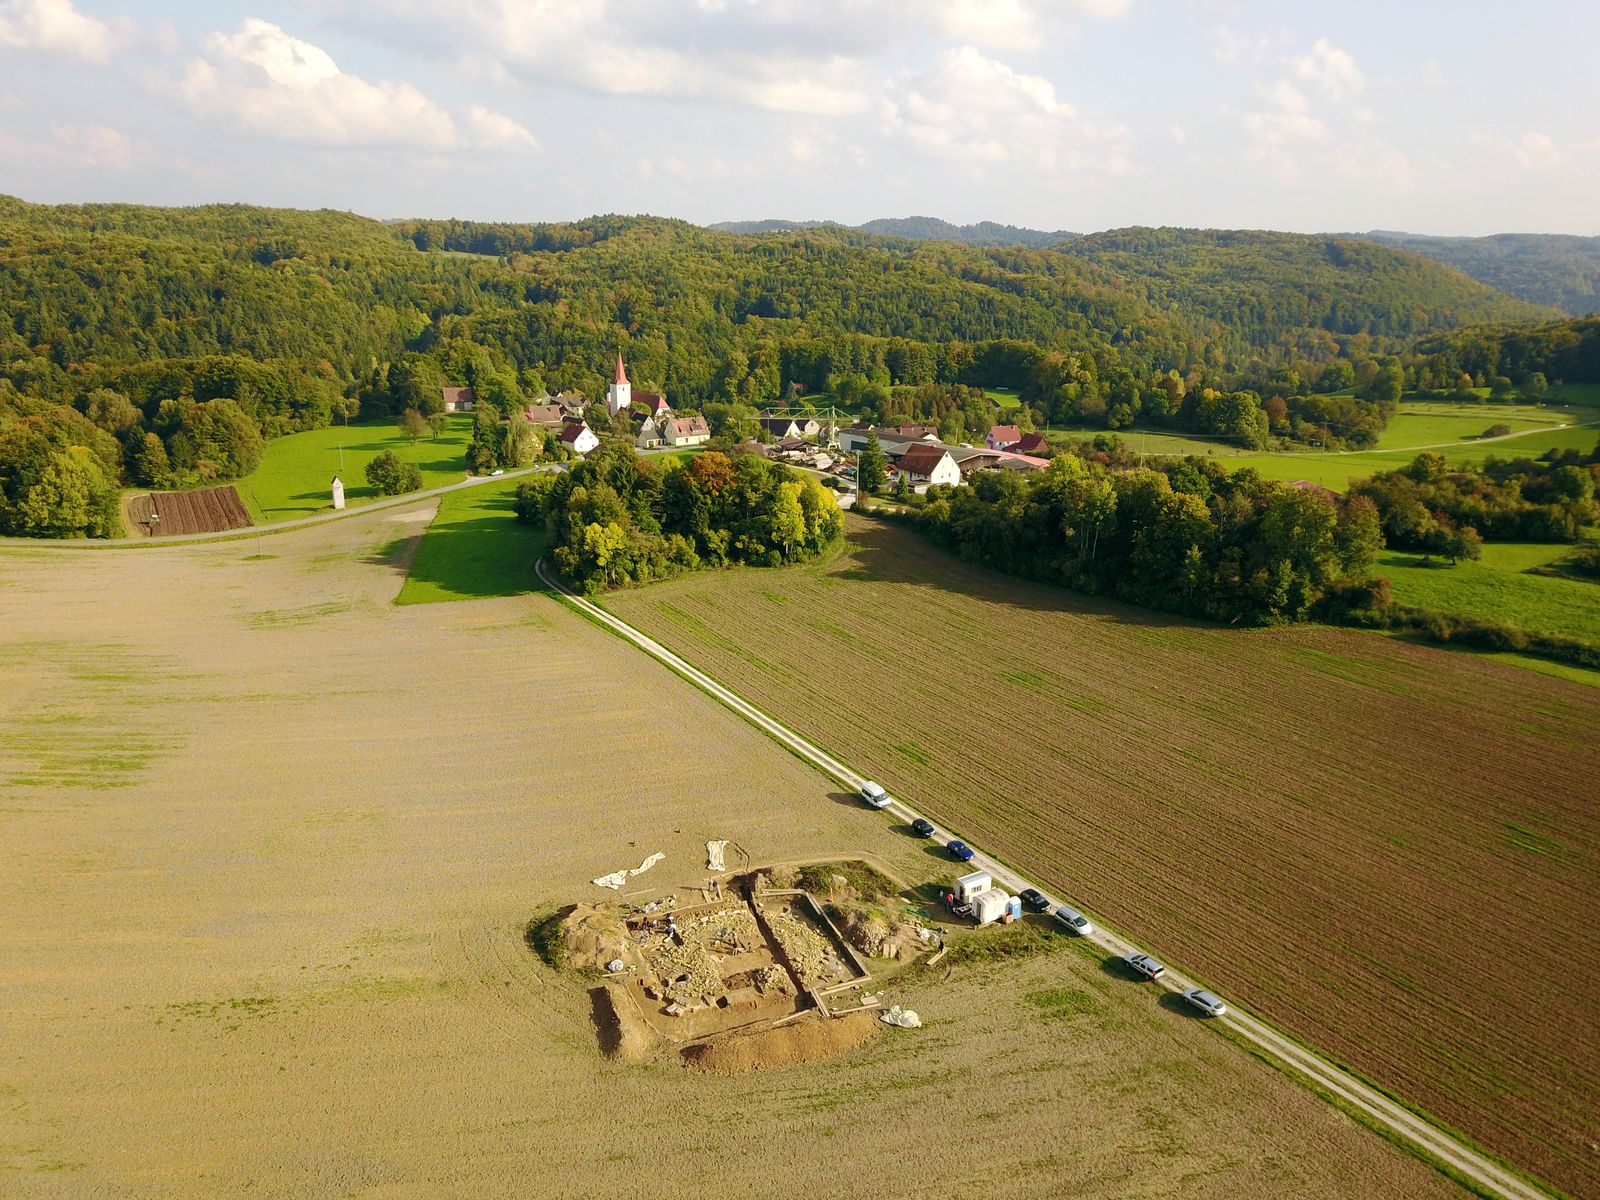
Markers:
617,1023
593,935
877,934
804,1041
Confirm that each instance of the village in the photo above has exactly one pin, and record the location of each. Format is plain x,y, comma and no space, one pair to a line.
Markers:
802,438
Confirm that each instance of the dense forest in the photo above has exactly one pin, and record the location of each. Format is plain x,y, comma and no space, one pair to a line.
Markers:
1545,268
188,335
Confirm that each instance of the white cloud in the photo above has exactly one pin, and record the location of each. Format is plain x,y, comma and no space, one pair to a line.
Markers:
977,112
10,101
55,26
1331,70
1287,119
496,131
99,146
263,79
816,57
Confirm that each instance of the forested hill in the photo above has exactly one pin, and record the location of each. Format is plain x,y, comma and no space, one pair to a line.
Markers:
158,346
1544,268
984,233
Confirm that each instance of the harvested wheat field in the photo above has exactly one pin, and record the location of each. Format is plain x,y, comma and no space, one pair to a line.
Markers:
1391,851
268,847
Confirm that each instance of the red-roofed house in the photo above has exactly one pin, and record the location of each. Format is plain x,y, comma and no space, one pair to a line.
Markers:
578,437
459,400
654,403
546,416
922,465
1031,443
1002,436
684,431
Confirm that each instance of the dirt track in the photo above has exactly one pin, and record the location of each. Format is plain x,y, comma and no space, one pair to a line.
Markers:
267,848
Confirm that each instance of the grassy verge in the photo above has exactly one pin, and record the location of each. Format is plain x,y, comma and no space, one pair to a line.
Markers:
475,548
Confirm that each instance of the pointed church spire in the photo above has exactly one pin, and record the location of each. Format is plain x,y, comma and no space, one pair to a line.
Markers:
622,373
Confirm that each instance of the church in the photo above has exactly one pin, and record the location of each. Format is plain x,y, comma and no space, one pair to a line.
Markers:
620,396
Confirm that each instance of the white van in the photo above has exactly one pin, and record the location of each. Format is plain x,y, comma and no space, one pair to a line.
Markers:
1072,920
875,795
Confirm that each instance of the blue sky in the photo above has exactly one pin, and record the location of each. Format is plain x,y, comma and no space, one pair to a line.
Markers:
1457,118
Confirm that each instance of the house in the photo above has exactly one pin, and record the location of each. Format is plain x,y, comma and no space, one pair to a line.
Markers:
809,427
922,465
459,399
1002,436
578,437
654,403
684,431
909,433
649,435
1031,443
546,416
778,428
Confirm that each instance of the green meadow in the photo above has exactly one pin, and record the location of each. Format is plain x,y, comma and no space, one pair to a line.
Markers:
475,547
297,470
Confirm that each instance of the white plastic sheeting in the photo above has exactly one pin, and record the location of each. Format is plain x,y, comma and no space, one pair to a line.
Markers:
715,850
904,1018
617,878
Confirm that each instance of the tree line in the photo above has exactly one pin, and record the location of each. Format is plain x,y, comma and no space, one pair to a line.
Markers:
617,518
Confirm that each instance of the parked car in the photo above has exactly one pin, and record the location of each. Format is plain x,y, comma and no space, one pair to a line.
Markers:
959,851
1072,919
1144,965
1210,1005
875,795
922,827
1034,900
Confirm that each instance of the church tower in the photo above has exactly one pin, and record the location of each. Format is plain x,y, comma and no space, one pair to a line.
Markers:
619,397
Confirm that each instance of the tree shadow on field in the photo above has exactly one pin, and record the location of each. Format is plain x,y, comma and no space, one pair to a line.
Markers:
395,554
882,552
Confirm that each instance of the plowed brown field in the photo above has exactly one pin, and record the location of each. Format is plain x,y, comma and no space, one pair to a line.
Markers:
268,846
204,510
1391,851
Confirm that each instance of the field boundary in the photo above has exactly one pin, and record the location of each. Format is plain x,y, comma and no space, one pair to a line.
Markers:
1481,1170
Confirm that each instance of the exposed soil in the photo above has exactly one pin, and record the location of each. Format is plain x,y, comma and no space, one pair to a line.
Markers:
804,1040
204,510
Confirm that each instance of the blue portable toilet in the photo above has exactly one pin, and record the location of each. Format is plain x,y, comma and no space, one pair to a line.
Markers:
1014,907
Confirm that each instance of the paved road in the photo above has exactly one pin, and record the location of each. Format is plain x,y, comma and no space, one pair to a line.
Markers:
1486,1174
229,535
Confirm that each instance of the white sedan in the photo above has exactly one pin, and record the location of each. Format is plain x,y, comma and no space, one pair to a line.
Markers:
1210,1005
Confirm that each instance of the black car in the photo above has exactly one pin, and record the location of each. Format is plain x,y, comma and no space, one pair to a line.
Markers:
922,827
1034,899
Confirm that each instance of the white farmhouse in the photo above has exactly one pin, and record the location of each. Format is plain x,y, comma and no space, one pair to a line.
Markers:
922,465
579,438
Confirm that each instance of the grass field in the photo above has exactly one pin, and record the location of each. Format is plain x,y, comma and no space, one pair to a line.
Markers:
1453,429
295,472
266,859
475,547
1377,845
1500,588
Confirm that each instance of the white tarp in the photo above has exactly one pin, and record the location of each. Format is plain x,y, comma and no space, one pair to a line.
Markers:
714,852
617,878
903,1017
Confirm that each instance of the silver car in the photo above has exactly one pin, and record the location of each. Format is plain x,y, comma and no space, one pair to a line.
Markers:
1210,1005
1144,965
1073,920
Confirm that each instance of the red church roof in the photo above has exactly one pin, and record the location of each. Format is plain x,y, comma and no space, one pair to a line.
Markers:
622,372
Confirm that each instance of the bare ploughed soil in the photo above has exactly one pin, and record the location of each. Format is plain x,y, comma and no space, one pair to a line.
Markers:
1391,851
268,847
203,510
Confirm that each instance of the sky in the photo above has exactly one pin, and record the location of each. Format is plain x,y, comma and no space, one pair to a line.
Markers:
1461,117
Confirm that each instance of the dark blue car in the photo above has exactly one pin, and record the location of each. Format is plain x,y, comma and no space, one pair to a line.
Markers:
959,851
922,827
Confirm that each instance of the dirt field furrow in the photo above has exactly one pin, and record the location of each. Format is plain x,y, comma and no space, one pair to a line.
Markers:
1376,845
